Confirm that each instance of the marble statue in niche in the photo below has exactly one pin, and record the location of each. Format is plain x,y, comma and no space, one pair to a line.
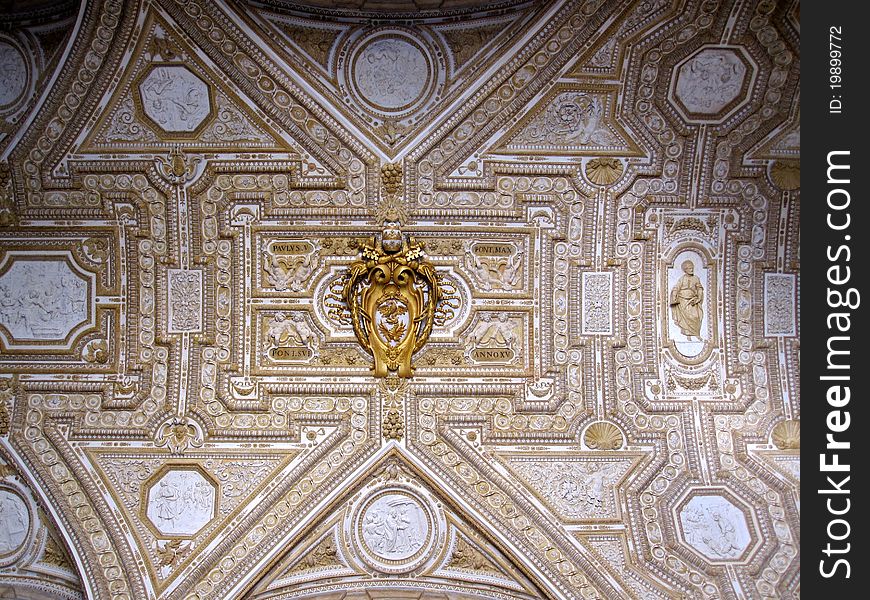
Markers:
715,527
688,282
687,302
14,522
42,300
394,527
181,502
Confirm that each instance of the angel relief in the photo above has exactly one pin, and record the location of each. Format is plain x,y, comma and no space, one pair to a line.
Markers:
287,265
493,340
495,266
290,338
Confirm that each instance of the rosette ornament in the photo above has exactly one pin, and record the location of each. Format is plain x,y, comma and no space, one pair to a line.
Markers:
392,293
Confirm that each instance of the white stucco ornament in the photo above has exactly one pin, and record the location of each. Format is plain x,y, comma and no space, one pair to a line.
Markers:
13,74
395,530
42,300
14,522
390,73
174,98
715,527
181,502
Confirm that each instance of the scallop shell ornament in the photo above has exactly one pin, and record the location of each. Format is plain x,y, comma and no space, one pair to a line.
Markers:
603,436
604,171
787,435
786,174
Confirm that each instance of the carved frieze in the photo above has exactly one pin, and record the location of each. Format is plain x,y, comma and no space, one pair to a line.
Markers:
174,99
180,502
16,526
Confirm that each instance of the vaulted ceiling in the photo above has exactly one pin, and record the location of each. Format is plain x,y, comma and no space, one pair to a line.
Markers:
607,404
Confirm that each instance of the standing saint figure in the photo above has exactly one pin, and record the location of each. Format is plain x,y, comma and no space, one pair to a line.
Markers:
687,297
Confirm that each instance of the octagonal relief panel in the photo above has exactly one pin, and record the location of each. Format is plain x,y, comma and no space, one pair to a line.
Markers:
712,83
180,501
714,527
174,99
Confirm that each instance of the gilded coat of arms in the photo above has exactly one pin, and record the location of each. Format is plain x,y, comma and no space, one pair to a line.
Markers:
392,293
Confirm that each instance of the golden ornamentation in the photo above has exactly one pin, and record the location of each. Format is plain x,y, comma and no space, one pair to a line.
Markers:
391,132
96,249
6,391
177,435
394,425
391,176
392,295
53,555
84,190
466,556
96,351
7,212
172,552
787,435
604,171
325,554
6,470
178,167
5,420
392,207
786,174
695,384
7,217
686,224
603,436
6,387
393,392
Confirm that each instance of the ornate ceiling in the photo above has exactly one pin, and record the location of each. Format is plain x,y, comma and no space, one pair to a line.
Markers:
600,398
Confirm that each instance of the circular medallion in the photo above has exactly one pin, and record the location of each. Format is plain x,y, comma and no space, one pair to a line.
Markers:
391,72
394,530
13,74
14,522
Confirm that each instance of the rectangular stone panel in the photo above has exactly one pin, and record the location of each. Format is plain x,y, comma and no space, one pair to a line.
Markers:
779,305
